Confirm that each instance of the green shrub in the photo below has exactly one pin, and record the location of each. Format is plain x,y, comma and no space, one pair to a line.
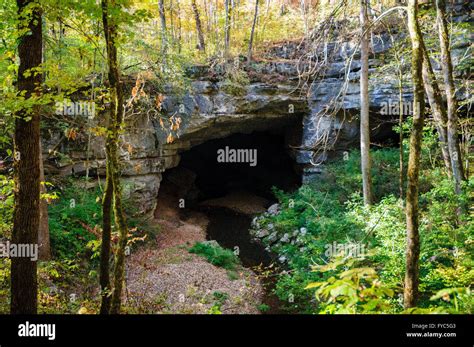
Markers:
75,222
216,255
68,217
355,290
343,178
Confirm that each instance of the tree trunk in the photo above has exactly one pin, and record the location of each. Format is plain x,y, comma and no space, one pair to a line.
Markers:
104,277
112,143
232,14
265,19
447,67
216,25
227,28
26,217
252,32
178,14
108,192
437,107
202,45
282,7
364,106
121,224
401,175
171,9
411,209
207,15
161,10
44,247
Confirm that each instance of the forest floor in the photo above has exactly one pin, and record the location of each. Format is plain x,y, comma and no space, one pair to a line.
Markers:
164,277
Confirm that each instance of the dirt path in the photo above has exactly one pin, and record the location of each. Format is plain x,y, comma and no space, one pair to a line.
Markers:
165,278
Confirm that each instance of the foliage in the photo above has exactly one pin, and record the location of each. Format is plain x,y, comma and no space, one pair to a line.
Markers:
235,80
71,220
216,255
6,206
331,212
5,285
455,300
343,177
356,290
263,308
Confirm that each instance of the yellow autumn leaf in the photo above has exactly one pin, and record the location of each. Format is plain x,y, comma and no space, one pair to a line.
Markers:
313,285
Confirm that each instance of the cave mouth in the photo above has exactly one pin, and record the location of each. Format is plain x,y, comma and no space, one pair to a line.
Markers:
253,162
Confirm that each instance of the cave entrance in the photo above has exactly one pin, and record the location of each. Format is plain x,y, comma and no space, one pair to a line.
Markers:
242,162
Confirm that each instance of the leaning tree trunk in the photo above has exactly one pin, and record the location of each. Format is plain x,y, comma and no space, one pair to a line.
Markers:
197,18
27,168
411,209
112,143
447,67
437,108
252,32
364,106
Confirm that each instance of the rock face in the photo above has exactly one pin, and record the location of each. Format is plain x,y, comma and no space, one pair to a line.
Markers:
319,116
211,112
